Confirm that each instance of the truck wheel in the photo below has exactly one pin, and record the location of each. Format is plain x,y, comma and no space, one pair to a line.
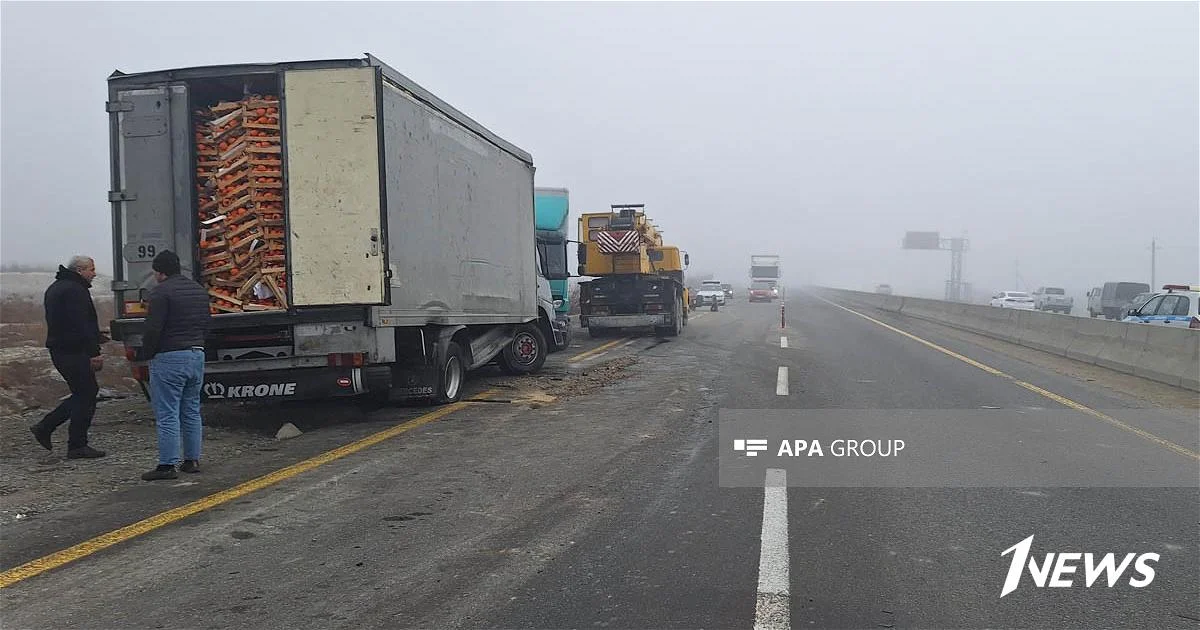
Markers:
526,353
676,326
451,374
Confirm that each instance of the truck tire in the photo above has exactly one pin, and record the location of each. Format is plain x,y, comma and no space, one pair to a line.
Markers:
526,353
676,326
452,373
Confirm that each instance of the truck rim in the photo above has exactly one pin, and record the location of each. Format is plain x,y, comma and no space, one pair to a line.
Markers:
525,348
453,377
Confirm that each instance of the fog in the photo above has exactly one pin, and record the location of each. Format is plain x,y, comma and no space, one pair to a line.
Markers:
1059,138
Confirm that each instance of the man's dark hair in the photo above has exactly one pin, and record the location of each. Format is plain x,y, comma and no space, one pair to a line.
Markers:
166,263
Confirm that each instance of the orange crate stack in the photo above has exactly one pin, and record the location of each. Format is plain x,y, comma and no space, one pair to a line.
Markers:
242,238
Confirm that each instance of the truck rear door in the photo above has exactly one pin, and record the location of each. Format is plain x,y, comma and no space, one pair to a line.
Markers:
150,185
335,198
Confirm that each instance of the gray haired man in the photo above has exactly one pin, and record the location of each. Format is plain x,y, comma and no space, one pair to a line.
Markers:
73,337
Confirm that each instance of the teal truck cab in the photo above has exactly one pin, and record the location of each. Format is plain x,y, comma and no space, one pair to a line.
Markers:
551,210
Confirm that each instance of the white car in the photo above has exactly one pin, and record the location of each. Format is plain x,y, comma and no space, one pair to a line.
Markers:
1176,306
710,291
1013,299
1053,299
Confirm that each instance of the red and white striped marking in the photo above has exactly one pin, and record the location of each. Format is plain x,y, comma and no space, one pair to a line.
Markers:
618,241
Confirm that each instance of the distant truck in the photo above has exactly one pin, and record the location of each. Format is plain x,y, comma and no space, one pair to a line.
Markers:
1115,298
1053,299
766,268
551,210
357,234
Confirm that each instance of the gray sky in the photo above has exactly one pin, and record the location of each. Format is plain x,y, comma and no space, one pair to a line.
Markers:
1058,137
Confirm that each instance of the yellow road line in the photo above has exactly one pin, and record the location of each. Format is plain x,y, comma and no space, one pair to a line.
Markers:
117,536
1062,400
597,349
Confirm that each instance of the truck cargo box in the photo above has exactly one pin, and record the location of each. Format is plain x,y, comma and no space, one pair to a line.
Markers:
338,185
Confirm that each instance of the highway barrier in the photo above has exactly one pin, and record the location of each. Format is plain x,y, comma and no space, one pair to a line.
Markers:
1168,355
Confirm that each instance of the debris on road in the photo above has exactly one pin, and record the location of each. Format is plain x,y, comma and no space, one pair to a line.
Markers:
287,432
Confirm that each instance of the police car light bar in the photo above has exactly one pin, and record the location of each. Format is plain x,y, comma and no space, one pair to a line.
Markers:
1180,287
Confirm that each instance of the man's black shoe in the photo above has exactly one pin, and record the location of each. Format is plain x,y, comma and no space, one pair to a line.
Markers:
85,452
160,472
190,466
42,436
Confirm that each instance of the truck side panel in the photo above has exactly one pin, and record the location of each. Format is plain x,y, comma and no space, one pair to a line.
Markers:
333,172
460,221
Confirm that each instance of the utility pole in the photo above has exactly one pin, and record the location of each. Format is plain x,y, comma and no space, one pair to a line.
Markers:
1153,252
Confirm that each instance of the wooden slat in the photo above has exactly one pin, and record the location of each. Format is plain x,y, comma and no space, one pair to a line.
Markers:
213,293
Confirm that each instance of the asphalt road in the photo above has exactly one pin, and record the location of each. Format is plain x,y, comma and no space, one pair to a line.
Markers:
604,510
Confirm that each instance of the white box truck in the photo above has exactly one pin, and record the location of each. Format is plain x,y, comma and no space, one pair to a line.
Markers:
409,232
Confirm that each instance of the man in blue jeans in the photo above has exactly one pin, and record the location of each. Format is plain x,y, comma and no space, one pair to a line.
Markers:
176,326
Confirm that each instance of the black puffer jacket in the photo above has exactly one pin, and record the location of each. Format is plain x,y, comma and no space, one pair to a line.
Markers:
179,317
71,325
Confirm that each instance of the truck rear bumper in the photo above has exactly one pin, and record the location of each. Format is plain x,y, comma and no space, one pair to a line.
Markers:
293,384
624,321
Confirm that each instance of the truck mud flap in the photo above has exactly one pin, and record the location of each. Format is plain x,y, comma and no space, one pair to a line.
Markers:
298,384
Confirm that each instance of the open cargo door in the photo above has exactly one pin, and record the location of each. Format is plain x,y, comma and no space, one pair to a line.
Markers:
147,128
334,197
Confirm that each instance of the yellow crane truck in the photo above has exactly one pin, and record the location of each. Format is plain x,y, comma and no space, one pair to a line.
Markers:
637,281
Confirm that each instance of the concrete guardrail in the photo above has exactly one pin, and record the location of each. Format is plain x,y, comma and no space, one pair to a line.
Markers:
1167,355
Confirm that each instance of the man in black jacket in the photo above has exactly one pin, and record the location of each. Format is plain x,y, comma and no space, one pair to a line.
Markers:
176,326
73,338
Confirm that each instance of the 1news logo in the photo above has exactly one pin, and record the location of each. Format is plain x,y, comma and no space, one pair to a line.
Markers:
750,447
1057,569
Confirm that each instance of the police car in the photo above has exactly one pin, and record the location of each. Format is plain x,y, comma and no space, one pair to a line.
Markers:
1175,306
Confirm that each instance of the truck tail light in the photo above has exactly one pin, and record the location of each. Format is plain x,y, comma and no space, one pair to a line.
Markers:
141,373
345,359
131,353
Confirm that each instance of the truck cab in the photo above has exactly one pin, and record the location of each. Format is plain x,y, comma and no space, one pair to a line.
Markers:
762,291
555,326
